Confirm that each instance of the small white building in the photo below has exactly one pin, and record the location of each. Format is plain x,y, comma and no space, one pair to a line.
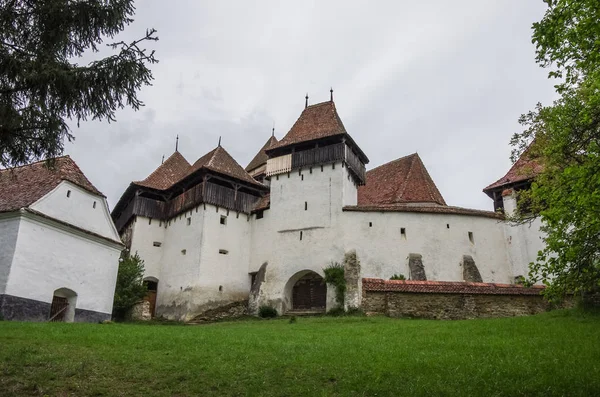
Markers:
59,249
214,235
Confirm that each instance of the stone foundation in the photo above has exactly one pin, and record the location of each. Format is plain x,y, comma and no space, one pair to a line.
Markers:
22,309
140,312
232,310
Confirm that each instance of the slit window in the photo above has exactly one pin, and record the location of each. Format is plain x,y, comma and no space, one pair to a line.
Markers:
300,236
149,221
403,233
223,220
447,226
223,252
370,224
94,205
68,193
189,221
305,205
471,238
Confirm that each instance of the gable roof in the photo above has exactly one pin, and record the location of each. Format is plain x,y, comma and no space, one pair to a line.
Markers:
170,171
218,160
524,169
261,157
22,186
315,122
401,181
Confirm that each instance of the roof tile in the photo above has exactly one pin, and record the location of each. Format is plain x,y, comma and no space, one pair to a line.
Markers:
170,171
218,160
261,157
401,181
22,186
524,169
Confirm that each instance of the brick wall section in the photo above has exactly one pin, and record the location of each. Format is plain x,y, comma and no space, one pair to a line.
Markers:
450,300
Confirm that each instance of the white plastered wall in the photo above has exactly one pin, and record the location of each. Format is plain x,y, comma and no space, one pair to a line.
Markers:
146,232
9,228
48,257
78,209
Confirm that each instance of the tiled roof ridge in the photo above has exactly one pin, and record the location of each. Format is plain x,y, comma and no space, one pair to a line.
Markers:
408,175
158,168
35,162
261,156
210,162
448,287
432,209
428,181
393,161
314,105
65,178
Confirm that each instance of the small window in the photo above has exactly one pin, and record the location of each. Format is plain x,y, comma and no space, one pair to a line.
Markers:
223,220
157,243
260,214
223,252
471,238
301,177
94,205
305,205
447,226
183,251
220,288
189,221
149,221
68,193
333,166
300,236
403,233
370,224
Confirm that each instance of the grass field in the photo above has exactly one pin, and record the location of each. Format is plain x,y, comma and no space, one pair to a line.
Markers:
555,353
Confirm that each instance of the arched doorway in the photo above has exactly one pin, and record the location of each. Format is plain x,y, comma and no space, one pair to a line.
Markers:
152,285
63,305
309,292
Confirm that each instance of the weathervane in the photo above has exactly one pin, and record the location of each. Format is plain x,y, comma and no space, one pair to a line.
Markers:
177,143
331,94
306,101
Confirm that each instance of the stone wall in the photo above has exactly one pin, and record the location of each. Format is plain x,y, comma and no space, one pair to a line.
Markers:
451,300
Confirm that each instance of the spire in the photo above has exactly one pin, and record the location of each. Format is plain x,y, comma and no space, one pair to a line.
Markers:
273,132
331,94
306,101
177,143
219,141
163,159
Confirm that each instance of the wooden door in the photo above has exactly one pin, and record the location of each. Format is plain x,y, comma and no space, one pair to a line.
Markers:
309,293
59,308
151,298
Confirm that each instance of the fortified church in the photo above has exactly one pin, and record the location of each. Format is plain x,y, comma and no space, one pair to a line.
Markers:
213,234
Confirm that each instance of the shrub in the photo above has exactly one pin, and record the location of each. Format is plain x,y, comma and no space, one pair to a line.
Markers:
337,312
398,277
267,312
129,289
334,275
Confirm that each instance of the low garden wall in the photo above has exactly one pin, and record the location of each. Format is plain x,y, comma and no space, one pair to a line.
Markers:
450,300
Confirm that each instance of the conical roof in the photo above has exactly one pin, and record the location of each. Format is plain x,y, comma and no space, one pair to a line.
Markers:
261,157
170,171
526,167
316,121
401,181
218,160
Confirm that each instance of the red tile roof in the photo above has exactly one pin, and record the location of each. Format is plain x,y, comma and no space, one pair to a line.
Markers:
316,121
438,209
524,169
261,157
170,171
447,287
22,186
401,181
218,160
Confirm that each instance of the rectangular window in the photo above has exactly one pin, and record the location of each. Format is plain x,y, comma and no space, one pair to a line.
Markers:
68,193
223,220
260,214
149,221
300,236
403,233
223,252
189,221
157,243
94,205
183,251
370,224
305,206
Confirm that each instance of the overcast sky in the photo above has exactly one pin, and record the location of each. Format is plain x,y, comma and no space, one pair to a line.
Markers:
446,79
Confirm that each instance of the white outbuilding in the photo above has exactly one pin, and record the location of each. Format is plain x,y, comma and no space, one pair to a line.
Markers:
59,249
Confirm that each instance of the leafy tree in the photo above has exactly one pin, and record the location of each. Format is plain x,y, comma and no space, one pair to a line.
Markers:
130,288
41,85
565,139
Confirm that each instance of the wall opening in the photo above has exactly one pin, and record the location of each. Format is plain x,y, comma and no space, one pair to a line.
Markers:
63,305
94,205
300,235
471,238
183,251
403,233
151,284
223,220
189,221
447,226
370,224
68,193
308,292
149,221
305,205
223,252
157,243
220,288
260,214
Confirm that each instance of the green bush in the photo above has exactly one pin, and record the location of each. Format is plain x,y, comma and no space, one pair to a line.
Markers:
267,312
398,277
129,289
334,275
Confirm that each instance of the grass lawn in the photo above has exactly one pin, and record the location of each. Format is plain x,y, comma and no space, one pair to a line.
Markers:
555,353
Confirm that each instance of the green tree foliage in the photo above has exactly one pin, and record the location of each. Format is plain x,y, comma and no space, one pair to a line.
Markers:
41,85
334,275
565,139
130,288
